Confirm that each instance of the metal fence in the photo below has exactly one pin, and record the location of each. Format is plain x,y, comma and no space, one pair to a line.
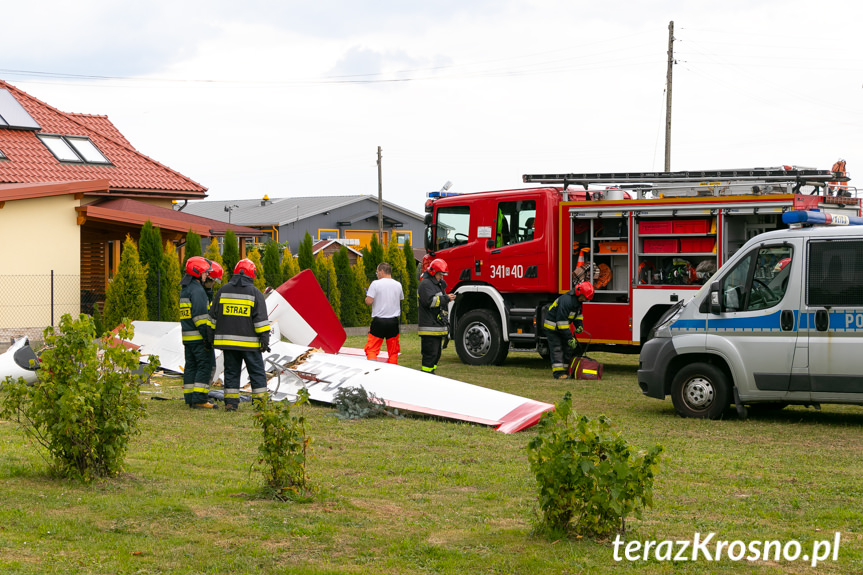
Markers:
30,303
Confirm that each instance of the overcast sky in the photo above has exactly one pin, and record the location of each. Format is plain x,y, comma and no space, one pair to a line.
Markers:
292,98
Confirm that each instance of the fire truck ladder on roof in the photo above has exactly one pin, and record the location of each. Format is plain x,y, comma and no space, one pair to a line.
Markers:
794,178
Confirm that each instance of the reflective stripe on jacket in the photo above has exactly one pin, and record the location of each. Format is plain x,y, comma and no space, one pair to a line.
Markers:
238,316
564,311
193,309
433,307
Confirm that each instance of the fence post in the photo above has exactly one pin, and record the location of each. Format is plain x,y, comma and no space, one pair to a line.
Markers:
159,293
52,298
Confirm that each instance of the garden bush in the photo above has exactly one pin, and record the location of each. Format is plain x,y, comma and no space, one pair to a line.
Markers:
285,448
589,479
85,405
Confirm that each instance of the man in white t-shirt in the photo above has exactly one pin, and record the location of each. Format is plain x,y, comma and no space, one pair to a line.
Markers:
385,296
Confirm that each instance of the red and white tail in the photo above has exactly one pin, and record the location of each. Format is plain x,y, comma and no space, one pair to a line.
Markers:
304,315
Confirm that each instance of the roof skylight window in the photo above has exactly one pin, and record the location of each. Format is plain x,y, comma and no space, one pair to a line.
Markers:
77,149
87,150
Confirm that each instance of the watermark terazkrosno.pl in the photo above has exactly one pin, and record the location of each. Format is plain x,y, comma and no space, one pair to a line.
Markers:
709,548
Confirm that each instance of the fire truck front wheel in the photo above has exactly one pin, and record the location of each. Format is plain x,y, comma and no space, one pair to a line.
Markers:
479,339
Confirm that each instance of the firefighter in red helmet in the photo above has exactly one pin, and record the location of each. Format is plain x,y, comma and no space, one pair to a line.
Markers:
214,277
565,310
433,311
198,368
238,317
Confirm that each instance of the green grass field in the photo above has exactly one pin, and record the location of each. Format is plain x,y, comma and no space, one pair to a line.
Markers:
423,495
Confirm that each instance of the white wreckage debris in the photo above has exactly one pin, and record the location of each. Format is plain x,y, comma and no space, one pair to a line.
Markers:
316,360
19,361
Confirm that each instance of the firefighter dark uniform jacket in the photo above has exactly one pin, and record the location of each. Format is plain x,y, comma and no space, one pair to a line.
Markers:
564,311
193,310
238,316
433,307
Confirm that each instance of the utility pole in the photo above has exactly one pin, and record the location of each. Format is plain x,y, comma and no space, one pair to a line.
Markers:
668,97
380,202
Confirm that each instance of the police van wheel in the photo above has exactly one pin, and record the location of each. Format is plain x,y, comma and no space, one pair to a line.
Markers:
700,390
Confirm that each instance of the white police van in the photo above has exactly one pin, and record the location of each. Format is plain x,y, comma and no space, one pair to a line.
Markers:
780,323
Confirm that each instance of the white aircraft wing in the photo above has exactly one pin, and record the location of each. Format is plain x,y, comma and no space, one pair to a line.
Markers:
323,374
298,310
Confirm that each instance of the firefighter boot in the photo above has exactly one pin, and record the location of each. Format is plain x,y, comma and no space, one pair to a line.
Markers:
205,405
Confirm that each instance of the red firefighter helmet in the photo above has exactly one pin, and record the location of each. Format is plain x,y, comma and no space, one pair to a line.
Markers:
216,273
247,267
437,265
197,265
585,289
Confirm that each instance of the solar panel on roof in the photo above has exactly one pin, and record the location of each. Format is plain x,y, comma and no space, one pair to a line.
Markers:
13,114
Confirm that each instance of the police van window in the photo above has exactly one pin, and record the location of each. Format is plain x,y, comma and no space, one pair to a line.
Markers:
515,222
759,280
453,227
835,276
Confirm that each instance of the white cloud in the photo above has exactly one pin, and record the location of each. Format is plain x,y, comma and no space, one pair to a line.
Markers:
293,98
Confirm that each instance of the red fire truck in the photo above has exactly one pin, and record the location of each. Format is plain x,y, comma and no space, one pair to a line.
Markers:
646,240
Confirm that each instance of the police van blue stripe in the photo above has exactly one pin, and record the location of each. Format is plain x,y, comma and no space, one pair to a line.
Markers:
756,324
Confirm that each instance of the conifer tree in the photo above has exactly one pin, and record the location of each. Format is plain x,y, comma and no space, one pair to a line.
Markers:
171,296
272,266
364,312
213,254
306,257
372,256
260,280
289,267
193,247
126,296
413,283
230,255
150,253
325,272
396,258
352,300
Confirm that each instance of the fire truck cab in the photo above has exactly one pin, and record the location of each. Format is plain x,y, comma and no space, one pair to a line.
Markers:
646,241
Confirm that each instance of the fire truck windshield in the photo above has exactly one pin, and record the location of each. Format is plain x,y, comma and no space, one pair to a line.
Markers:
453,227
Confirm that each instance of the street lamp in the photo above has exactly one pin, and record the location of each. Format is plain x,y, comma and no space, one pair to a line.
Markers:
230,209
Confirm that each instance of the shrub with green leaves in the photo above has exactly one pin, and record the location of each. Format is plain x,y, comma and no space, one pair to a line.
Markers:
284,450
589,479
85,406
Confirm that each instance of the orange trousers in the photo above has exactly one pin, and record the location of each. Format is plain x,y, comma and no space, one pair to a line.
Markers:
373,348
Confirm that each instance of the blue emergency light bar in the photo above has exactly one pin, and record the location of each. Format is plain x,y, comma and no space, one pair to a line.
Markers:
436,195
820,218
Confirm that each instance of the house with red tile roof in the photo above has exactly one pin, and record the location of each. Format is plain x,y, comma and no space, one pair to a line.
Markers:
72,187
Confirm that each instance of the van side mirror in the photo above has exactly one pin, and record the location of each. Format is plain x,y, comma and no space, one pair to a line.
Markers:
715,301
427,220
